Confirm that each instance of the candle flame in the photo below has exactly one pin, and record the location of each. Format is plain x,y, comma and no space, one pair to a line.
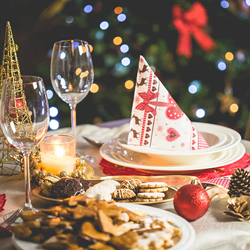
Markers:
59,151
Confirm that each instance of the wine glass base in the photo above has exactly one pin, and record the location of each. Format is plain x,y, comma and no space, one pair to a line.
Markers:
29,207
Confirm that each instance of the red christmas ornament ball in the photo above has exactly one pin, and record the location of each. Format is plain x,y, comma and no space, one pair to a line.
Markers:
191,202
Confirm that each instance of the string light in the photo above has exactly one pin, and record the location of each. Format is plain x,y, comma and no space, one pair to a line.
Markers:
121,17
94,88
200,113
53,124
69,19
88,8
229,56
234,108
224,4
124,48
194,87
221,65
125,61
49,93
104,25
117,40
53,111
129,84
118,10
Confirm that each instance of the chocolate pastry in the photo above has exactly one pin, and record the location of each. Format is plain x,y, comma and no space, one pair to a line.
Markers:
68,186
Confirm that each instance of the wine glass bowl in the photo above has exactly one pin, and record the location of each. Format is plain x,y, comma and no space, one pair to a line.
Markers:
24,118
71,73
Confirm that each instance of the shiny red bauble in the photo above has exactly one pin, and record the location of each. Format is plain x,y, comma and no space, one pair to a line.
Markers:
191,202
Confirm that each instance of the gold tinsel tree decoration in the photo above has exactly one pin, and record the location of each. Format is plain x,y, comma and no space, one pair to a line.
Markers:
10,157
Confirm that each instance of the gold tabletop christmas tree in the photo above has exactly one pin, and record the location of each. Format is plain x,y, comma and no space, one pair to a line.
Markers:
10,157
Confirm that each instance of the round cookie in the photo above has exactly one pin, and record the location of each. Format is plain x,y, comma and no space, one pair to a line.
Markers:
155,184
150,195
153,190
147,200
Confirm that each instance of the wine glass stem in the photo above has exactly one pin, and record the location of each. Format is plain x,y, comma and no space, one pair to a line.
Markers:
73,118
28,204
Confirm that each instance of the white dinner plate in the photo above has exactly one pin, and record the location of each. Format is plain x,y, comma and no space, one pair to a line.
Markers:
218,137
186,241
114,153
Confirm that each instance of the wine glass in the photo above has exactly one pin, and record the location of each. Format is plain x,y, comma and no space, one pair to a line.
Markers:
24,118
72,73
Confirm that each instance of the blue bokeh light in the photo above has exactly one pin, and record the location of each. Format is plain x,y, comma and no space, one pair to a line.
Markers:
221,65
104,25
121,17
49,93
124,48
69,19
125,61
53,124
224,4
53,111
200,113
88,8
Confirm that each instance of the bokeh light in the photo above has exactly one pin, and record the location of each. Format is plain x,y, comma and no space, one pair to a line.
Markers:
121,17
200,113
49,93
104,25
69,19
234,108
117,40
118,10
125,61
224,4
88,8
221,65
124,48
94,88
194,87
53,111
229,56
129,84
53,124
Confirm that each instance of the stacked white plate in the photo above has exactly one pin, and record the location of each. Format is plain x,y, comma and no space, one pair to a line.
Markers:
225,148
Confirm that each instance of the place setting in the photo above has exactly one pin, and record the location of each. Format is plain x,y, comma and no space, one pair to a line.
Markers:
162,139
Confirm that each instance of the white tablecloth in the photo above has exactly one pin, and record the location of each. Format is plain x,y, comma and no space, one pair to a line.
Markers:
213,231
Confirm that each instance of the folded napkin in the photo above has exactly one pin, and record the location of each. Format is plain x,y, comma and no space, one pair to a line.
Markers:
212,175
156,119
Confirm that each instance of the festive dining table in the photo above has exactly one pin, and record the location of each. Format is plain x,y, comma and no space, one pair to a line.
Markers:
213,231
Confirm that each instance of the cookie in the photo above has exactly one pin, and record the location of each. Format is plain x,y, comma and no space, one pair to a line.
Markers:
132,184
150,195
153,190
122,194
153,184
147,200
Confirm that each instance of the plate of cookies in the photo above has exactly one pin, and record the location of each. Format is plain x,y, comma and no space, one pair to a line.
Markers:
92,224
122,189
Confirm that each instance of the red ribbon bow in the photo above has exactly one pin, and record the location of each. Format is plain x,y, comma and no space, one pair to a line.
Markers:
190,23
147,97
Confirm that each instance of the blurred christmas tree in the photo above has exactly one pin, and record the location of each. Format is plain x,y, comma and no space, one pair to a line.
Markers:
200,51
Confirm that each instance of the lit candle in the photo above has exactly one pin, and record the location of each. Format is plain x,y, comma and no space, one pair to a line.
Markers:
58,154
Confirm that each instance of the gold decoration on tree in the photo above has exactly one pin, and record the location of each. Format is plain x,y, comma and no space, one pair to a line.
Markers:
10,157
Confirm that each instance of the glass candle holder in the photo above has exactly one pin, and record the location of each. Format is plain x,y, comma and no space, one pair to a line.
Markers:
58,154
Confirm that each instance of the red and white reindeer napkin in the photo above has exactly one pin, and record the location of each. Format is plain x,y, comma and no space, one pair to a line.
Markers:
156,120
